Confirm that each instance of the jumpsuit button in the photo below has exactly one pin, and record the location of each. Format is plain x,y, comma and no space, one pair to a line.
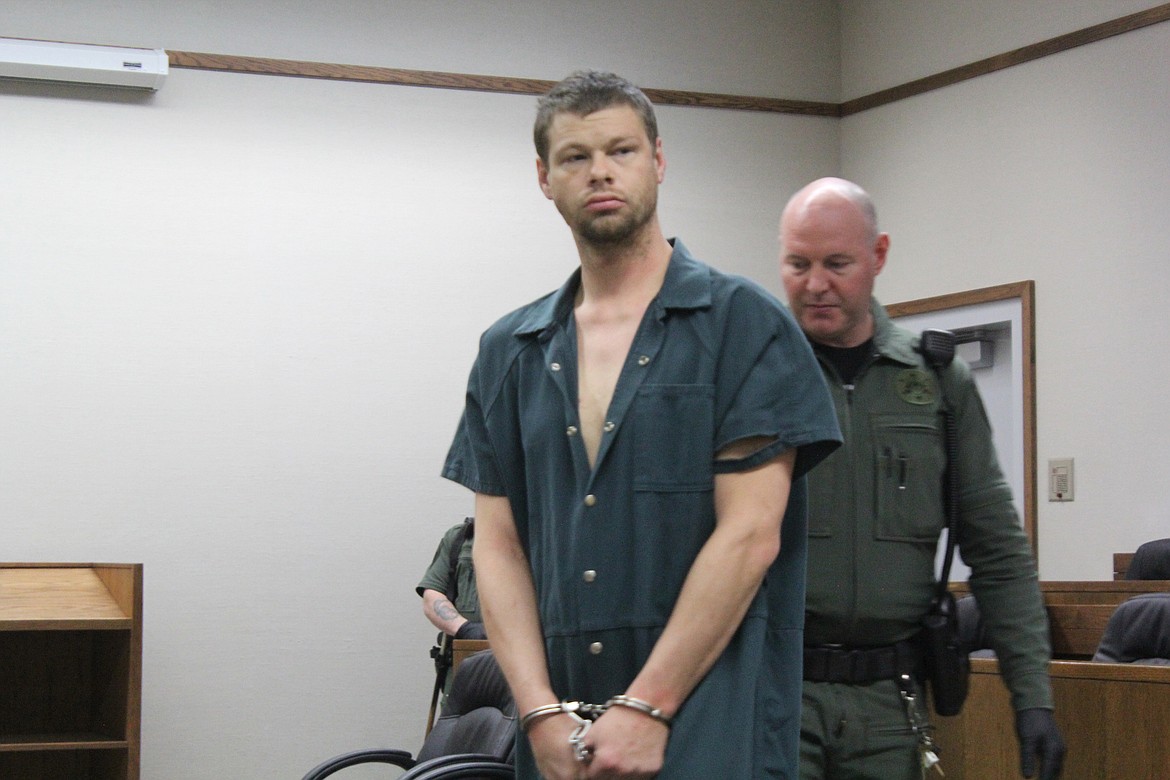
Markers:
589,576
609,426
643,360
555,366
571,430
596,648
590,500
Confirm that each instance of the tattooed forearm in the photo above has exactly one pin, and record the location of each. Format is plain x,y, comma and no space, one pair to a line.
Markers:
445,610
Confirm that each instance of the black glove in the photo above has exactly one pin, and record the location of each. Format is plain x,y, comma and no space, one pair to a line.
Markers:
472,630
1038,734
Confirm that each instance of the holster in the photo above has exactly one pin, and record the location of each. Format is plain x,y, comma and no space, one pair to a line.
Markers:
946,661
443,653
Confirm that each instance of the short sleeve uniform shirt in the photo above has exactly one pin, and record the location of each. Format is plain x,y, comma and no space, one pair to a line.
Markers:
438,574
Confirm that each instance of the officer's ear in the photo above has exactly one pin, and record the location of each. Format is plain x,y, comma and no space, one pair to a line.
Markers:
880,247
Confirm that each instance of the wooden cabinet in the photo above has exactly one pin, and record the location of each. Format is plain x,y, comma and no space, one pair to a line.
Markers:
70,671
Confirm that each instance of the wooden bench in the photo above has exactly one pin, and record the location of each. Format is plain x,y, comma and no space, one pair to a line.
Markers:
1079,610
1114,717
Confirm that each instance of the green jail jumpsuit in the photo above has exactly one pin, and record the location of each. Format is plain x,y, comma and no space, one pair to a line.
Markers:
716,359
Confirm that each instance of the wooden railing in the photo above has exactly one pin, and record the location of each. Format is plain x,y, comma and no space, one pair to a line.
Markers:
1114,717
1079,610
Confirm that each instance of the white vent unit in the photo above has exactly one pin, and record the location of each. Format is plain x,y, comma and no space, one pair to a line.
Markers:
82,63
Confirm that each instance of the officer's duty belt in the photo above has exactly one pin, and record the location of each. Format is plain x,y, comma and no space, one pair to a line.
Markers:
843,664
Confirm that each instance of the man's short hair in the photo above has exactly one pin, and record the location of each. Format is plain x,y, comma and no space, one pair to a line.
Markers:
584,92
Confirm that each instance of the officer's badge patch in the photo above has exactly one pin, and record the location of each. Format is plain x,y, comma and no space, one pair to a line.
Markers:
915,386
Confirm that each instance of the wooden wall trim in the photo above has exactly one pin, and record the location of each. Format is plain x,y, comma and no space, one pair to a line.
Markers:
327,70
474,83
672,97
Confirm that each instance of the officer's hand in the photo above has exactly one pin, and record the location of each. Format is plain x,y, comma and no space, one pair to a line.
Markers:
471,630
1038,734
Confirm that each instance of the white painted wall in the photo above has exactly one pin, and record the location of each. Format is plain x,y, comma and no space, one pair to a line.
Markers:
236,320
885,43
747,47
1054,171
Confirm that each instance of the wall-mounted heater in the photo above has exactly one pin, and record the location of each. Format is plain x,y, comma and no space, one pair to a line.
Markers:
82,63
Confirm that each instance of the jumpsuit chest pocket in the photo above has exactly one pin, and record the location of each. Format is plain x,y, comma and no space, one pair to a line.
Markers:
909,461
674,435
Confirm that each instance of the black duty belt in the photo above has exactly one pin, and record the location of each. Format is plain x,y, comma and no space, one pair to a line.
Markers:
843,664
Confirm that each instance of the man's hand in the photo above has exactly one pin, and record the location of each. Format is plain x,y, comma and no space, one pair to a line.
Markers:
626,744
1038,735
549,738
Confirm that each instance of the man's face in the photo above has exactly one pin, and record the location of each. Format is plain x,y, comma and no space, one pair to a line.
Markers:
602,174
828,262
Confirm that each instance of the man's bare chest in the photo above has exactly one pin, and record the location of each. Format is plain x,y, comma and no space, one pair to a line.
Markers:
602,348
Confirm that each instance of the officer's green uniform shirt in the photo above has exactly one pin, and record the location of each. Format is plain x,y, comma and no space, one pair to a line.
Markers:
438,574
876,514
716,359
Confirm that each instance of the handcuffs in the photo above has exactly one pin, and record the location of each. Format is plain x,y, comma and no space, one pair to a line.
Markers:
584,714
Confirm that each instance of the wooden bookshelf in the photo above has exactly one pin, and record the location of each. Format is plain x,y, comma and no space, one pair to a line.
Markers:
71,670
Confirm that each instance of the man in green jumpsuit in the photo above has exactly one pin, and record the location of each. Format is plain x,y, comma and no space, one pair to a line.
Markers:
636,442
876,514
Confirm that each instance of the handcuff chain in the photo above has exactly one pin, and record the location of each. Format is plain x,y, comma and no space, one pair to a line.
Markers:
584,713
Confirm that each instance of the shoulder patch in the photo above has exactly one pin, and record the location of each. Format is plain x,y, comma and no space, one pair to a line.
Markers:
915,386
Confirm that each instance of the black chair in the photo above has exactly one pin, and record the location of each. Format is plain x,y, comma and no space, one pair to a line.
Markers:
473,738
1138,631
1151,561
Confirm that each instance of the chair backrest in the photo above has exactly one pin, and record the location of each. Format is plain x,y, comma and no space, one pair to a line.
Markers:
1138,631
1151,561
972,635
479,716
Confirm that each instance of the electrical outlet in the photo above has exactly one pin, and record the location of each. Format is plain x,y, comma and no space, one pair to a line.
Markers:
1060,479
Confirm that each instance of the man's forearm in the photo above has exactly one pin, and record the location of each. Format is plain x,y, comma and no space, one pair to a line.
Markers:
441,612
508,603
721,585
